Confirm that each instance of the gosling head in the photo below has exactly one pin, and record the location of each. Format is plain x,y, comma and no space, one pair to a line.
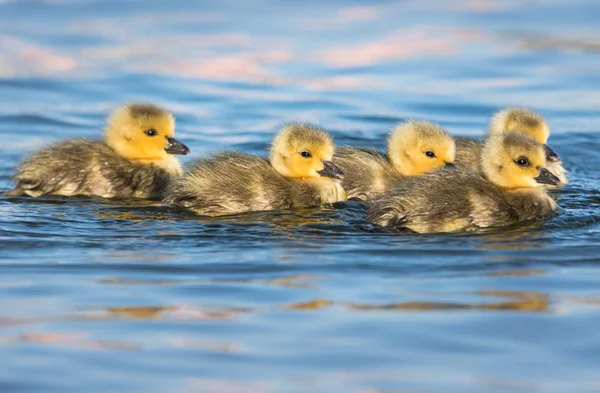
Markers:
143,133
418,147
302,151
525,121
515,160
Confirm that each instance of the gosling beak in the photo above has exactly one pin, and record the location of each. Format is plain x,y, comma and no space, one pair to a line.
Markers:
330,170
546,177
176,147
449,165
551,155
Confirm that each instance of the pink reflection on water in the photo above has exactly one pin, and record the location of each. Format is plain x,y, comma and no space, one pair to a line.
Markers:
341,82
357,14
18,57
246,66
240,56
413,43
67,339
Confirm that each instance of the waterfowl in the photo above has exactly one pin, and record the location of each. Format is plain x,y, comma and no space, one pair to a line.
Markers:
136,159
299,172
509,190
523,120
414,148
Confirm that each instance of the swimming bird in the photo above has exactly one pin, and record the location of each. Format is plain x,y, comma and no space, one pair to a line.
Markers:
414,148
509,190
136,159
299,172
523,120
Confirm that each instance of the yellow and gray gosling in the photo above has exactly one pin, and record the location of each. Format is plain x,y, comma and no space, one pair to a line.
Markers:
414,148
299,172
522,120
134,160
509,190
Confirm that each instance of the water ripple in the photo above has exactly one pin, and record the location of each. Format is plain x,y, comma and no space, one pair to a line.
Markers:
101,295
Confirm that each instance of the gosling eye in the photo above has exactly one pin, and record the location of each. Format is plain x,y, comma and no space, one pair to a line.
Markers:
305,154
430,154
151,132
522,161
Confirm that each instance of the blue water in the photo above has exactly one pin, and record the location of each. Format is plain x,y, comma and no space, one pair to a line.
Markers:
105,296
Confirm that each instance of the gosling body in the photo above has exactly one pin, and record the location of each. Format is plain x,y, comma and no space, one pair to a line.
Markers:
232,182
88,168
414,148
367,171
134,161
509,190
456,199
298,173
468,151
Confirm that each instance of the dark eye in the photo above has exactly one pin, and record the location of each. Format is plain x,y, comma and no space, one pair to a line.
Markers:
522,161
151,132
305,154
430,154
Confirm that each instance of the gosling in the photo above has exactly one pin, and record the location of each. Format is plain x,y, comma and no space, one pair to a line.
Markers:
298,173
509,190
135,160
414,148
523,120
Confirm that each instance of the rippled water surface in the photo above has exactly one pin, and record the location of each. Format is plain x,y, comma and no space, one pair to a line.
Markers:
107,296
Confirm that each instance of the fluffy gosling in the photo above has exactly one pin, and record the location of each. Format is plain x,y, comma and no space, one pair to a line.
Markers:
509,190
523,120
134,160
414,148
299,172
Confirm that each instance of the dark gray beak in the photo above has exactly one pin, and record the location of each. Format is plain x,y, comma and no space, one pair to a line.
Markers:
176,147
546,177
449,165
551,155
330,170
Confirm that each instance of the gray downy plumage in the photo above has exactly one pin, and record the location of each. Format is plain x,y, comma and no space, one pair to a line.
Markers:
456,199
368,172
230,182
88,168
468,151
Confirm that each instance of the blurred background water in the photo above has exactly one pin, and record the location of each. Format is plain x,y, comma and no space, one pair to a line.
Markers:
106,296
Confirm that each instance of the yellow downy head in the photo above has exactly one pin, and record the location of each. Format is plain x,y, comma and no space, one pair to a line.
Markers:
515,160
418,147
301,151
520,120
143,133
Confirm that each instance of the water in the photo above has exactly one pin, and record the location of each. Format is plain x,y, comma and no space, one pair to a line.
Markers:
104,296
